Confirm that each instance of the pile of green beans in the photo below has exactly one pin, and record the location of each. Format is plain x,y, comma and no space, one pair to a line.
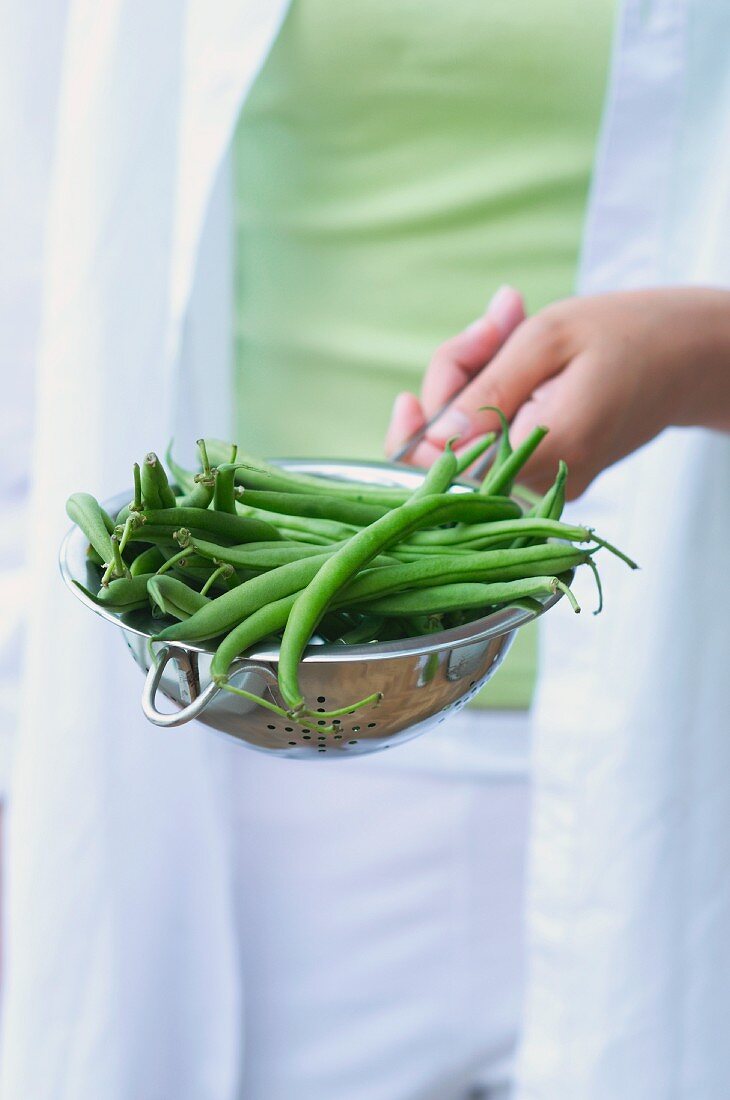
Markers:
242,550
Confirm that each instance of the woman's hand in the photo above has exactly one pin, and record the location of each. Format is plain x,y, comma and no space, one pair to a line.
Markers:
606,374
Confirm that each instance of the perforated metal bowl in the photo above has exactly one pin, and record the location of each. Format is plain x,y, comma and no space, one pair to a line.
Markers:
422,680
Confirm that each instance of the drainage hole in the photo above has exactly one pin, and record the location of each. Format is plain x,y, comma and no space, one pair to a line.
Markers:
320,698
270,727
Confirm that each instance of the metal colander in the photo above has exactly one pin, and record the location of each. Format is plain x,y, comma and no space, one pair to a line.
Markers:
422,680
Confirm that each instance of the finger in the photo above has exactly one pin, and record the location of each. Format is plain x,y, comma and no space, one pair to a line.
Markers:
424,454
536,351
566,405
463,356
406,418
540,408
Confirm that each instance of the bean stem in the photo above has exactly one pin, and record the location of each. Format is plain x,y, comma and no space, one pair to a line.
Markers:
500,479
223,570
136,505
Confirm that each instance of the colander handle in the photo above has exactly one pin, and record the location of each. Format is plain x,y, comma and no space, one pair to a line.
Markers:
190,686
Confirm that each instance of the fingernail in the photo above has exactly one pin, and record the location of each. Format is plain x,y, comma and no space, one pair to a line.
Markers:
454,422
506,309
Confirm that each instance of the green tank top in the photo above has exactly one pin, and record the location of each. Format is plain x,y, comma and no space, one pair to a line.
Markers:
395,162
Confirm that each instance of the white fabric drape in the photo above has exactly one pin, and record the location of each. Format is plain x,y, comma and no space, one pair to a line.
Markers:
629,967
121,960
121,975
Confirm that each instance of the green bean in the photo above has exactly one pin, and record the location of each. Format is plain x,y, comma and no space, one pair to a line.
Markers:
156,491
190,573
341,568
552,504
222,614
194,570
180,557
202,495
365,631
260,560
148,561
268,619
218,577
502,529
504,447
255,473
224,499
474,453
314,506
122,594
237,528
555,497
448,507
299,528
471,508
440,476
160,534
418,625
500,480
117,566
481,566
124,532
262,702
85,511
444,598
507,534
504,565
251,556
408,552
279,480
174,597
293,534
135,505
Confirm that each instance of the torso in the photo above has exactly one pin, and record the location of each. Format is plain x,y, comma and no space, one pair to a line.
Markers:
395,163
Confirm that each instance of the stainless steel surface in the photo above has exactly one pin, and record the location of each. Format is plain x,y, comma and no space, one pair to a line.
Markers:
422,680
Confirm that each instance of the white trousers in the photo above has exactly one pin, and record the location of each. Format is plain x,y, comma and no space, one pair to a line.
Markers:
380,916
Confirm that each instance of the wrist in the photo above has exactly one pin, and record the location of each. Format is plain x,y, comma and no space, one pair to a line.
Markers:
699,381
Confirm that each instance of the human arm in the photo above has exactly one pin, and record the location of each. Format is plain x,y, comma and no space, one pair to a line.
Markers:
605,373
